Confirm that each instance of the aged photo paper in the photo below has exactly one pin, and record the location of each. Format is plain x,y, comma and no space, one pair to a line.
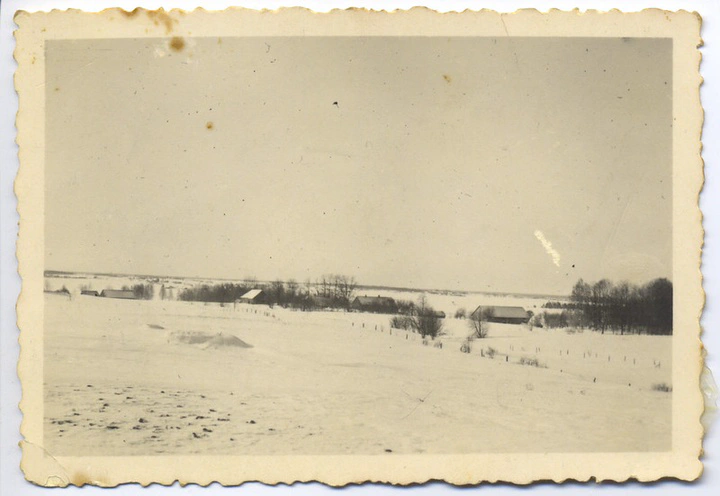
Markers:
358,246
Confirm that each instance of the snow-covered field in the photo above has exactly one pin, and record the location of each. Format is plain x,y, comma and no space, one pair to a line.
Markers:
127,377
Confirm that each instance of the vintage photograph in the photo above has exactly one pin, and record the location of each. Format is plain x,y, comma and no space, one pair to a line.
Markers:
370,245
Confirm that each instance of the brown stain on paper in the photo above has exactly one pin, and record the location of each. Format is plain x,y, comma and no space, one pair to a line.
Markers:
209,125
177,43
79,479
158,17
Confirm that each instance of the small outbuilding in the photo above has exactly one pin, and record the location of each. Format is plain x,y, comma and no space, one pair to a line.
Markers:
122,294
254,297
375,304
502,314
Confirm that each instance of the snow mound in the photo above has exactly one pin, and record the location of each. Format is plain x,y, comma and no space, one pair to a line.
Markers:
221,340
207,340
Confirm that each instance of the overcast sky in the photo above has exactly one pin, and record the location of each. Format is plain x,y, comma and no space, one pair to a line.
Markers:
460,163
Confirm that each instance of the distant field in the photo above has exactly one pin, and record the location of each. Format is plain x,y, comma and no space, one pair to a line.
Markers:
143,377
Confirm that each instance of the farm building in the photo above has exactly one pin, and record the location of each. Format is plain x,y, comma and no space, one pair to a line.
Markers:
502,314
89,292
377,304
123,294
254,296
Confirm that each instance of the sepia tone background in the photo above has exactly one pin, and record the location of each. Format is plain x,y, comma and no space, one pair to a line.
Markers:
412,162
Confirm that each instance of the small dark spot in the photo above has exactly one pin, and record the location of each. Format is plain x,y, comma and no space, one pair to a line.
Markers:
388,450
447,78
209,125
336,104
177,43
251,421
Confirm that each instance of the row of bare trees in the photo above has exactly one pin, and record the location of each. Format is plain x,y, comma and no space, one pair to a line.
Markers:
625,307
336,291
141,291
219,293
338,288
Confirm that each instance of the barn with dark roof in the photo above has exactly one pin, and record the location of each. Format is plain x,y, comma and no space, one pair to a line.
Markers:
121,294
502,314
376,304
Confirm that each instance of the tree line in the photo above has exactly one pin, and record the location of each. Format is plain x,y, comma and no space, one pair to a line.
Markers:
329,291
141,291
625,307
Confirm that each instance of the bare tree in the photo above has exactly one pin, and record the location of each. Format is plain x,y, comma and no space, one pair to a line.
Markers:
478,324
346,286
425,320
277,292
308,287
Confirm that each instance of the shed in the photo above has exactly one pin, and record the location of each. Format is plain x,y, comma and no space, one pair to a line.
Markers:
123,294
377,304
254,296
503,314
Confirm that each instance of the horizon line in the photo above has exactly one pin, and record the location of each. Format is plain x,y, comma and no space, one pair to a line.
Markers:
359,285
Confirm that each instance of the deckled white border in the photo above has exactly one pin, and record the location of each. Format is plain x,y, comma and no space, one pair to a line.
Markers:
10,284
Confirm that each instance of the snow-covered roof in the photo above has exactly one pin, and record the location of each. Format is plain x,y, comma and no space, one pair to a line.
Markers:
252,294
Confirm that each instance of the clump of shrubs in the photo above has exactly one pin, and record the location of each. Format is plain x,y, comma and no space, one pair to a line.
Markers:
422,319
460,313
532,362
662,387
401,322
